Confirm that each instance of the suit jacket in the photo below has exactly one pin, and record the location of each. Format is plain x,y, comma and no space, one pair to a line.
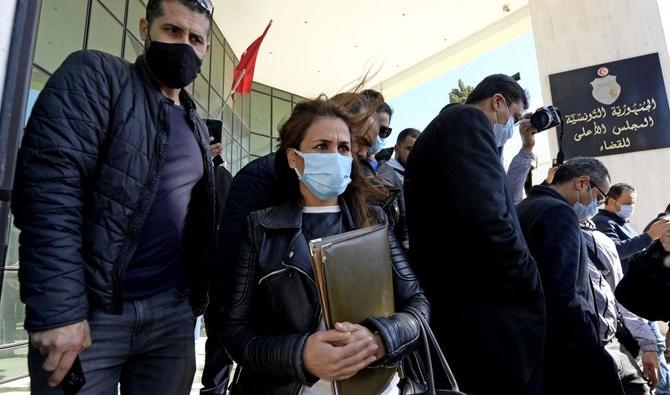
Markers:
553,234
467,249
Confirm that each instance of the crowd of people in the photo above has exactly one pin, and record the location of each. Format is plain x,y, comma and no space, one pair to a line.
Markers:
130,232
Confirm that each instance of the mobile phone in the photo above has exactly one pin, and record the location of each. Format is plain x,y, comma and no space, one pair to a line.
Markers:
215,128
217,160
74,380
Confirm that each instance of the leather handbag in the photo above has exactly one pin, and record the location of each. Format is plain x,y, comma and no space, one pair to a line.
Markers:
418,366
354,274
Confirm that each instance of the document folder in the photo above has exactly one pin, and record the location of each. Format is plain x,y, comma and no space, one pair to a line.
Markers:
354,274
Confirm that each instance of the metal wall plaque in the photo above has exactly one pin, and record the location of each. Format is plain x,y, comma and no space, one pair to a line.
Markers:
613,108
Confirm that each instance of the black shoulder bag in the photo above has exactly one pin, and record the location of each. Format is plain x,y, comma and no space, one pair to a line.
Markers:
420,379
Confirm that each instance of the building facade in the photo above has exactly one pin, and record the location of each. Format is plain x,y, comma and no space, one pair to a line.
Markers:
250,121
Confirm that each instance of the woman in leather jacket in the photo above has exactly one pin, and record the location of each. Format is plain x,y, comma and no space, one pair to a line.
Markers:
273,326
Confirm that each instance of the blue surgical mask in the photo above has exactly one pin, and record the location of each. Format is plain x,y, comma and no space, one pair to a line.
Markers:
626,211
325,175
585,212
502,133
377,146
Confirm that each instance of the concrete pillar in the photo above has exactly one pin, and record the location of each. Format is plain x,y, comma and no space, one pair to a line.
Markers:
570,34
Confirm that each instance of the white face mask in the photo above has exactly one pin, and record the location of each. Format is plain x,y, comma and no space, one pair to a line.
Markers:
626,211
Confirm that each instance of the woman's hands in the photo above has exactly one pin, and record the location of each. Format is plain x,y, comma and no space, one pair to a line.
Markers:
359,331
339,353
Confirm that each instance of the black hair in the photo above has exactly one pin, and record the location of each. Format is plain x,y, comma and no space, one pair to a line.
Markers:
155,10
582,166
373,96
409,132
617,190
499,83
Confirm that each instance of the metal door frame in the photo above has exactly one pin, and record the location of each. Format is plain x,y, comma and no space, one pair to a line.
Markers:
12,108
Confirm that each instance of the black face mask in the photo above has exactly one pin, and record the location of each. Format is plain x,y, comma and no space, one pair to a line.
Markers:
175,65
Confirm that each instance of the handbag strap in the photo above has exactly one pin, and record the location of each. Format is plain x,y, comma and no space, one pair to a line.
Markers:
429,361
429,340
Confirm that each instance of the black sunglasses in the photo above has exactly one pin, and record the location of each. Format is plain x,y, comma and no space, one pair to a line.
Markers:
384,131
604,199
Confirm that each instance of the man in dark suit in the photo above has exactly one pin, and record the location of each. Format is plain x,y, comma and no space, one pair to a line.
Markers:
482,283
576,361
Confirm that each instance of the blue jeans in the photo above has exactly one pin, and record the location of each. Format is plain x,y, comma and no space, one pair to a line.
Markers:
663,387
148,349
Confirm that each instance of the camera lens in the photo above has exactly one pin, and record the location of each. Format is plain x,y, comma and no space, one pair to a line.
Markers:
541,120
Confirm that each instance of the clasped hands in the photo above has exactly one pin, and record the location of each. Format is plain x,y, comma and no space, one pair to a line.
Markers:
340,353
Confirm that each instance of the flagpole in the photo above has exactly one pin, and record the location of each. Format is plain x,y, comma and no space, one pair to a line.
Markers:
232,91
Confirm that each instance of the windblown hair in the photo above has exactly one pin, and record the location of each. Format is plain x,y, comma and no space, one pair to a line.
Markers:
292,133
372,95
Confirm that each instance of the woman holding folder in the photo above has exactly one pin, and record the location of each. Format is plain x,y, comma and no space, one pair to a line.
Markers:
274,325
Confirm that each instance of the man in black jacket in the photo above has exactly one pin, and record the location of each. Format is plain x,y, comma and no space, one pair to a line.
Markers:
575,360
485,292
115,200
613,220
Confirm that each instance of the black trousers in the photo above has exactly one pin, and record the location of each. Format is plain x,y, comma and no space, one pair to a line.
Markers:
629,372
217,362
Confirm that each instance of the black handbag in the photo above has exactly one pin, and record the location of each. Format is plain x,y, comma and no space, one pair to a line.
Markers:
418,366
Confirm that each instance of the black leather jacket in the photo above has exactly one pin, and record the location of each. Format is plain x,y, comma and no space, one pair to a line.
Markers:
274,304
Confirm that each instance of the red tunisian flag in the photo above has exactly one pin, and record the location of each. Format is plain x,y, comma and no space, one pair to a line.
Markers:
244,72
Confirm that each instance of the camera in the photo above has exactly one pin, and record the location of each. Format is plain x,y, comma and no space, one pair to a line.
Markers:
545,118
